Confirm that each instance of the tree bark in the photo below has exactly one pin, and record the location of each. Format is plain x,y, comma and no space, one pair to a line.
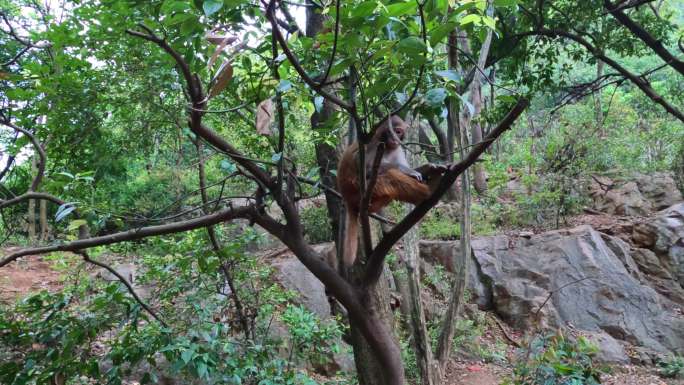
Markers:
598,108
429,371
371,370
444,345
43,221
479,178
31,215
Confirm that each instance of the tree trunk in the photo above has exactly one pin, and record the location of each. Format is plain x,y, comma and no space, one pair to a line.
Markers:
373,367
444,345
43,221
429,372
370,370
31,215
479,180
598,107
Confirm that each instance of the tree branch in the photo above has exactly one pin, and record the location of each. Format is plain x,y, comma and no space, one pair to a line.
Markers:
270,10
39,149
646,37
128,285
140,233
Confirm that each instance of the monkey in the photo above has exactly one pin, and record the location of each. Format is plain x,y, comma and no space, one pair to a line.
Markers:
395,180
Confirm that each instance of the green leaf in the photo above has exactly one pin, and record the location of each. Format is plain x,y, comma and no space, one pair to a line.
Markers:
227,166
440,32
489,22
75,224
412,46
463,8
364,9
202,370
450,75
284,86
435,97
171,6
472,18
178,18
212,6
318,103
187,355
505,3
399,9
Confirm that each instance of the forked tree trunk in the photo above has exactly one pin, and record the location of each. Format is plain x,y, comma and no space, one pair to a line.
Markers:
373,367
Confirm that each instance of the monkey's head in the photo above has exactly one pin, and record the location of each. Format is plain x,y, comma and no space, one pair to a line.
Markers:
399,127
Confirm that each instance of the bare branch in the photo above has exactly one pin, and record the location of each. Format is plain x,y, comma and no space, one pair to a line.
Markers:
38,148
124,281
139,233
270,10
334,48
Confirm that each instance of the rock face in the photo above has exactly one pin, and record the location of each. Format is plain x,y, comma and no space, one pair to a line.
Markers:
640,196
664,237
292,275
577,278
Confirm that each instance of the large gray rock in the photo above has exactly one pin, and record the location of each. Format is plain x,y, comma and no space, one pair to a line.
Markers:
664,236
292,275
638,196
573,278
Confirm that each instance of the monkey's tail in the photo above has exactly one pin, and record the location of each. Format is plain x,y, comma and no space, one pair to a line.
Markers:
351,239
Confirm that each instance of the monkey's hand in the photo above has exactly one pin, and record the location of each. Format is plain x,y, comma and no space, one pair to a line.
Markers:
415,174
431,170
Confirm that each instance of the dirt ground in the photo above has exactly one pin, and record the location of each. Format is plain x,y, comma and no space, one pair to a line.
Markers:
30,274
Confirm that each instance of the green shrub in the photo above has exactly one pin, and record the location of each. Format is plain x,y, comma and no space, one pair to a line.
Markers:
559,361
672,367
316,223
441,223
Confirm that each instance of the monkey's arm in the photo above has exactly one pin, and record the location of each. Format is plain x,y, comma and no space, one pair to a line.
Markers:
431,170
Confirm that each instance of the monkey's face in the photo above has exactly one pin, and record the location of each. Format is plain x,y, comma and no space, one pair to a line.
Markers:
399,127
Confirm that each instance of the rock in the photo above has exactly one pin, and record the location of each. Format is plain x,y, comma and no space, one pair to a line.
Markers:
625,199
660,189
640,196
577,277
438,253
610,350
292,275
664,236
127,270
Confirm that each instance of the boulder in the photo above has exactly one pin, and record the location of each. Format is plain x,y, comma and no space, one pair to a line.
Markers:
575,278
292,275
640,195
663,235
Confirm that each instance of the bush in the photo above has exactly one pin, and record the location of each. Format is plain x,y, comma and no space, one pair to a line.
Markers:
316,223
672,367
559,361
